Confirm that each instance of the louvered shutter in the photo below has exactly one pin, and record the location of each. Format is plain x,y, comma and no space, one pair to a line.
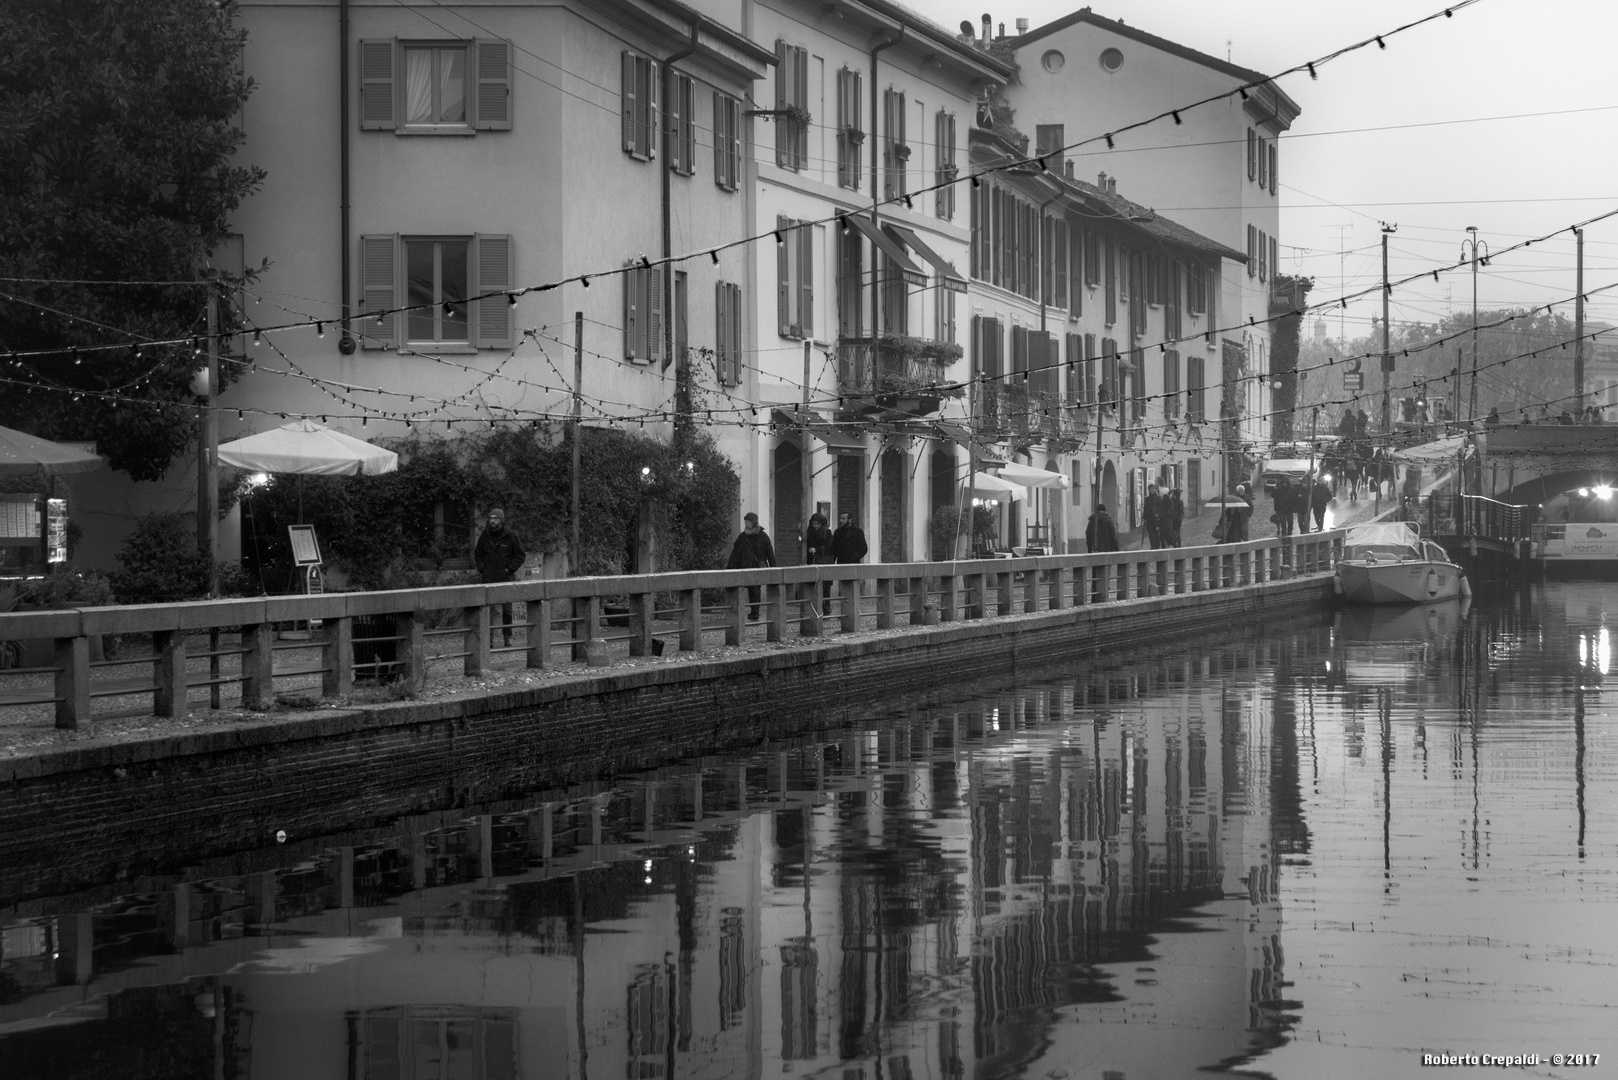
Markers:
677,114
493,99
784,57
377,102
688,130
652,90
1275,181
655,311
721,320
378,292
629,100
783,276
491,316
801,99
720,138
1252,258
634,282
806,280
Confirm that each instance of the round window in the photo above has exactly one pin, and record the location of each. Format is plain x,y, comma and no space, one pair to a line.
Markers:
1111,59
1053,60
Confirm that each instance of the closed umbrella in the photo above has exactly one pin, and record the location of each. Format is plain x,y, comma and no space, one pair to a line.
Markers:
1028,476
29,455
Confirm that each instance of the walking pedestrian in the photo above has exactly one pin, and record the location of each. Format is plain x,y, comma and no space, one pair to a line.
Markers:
848,542
498,556
751,551
1100,532
1235,518
817,547
1300,500
1176,516
1282,498
1319,499
1153,514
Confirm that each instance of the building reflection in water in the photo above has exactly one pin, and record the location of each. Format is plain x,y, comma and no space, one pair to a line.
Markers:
1082,870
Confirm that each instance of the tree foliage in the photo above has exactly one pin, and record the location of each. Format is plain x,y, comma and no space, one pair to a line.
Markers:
376,527
118,126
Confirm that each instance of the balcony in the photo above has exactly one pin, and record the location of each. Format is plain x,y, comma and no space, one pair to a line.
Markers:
1010,411
895,372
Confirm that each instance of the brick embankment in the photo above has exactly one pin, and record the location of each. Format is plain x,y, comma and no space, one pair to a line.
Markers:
103,810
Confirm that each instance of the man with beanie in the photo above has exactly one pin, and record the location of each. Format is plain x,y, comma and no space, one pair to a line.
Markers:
751,550
499,555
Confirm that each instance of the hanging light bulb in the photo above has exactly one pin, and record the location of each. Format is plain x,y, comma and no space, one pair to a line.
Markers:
320,329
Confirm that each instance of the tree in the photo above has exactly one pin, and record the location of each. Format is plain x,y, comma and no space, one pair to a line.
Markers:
118,127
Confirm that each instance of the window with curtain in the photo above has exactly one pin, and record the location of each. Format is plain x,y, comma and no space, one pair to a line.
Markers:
427,87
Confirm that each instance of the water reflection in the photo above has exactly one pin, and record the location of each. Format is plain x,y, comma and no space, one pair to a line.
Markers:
1148,867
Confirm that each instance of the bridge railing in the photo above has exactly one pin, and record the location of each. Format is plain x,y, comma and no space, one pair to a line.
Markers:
386,635
1450,514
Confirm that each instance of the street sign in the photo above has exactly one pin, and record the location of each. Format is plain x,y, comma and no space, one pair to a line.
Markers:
1353,380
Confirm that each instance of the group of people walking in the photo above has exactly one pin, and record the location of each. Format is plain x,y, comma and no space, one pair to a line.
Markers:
1298,500
822,546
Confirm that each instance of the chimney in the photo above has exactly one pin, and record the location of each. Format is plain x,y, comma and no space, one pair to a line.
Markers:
1002,30
1022,26
1101,181
1112,185
988,28
1067,167
967,33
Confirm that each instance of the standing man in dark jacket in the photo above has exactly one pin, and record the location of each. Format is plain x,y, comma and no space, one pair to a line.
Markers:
1175,516
1100,534
1154,512
1283,497
1319,499
848,542
499,555
751,550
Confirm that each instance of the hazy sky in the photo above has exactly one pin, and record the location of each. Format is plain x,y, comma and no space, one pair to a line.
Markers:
1430,134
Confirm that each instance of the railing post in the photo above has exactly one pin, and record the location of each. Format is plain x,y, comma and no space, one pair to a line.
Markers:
974,596
336,656
539,632
73,681
851,605
884,603
918,601
641,607
1004,601
168,650
949,597
775,593
735,613
258,670
586,616
690,620
413,631
1031,583
1061,588
477,639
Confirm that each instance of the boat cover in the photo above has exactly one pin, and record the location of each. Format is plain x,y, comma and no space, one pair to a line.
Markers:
1385,539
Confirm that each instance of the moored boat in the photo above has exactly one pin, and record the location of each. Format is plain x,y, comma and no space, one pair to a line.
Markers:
1387,562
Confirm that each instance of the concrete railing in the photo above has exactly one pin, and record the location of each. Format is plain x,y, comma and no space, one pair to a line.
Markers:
385,634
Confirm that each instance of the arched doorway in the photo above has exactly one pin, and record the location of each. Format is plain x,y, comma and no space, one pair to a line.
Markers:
942,485
787,521
895,496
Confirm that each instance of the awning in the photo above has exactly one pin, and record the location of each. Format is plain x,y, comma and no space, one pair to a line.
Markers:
836,441
948,276
912,274
1028,476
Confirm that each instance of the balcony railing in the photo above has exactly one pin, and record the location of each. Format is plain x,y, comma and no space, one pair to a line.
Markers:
885,374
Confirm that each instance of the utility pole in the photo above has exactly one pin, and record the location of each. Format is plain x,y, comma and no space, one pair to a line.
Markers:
1342,277
208,448
1472,246
1578,329
1387,350
807,455
578,413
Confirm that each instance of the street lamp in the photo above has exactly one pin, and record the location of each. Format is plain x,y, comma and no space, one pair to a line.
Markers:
1470,252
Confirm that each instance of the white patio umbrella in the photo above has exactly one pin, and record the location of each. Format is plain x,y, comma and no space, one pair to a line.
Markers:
29,455
1028,476
306,448
991,485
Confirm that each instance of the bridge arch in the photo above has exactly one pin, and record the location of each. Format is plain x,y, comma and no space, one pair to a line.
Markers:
1544,488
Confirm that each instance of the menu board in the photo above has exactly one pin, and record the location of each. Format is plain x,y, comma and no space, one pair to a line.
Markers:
305,547
56,534
19,516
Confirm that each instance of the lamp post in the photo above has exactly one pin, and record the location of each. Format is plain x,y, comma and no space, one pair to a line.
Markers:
1470,252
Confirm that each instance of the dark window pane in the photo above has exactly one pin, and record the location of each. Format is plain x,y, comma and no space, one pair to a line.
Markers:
452,86
456,286
419,273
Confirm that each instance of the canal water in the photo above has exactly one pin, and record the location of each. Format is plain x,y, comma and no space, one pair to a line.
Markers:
1317,850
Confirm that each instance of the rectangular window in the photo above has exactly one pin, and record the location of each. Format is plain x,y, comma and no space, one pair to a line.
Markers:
947,169
643,314
1137,380
1090,369
1263,166
1196,288
1048,143
944,320
640,106
432,278
682,125
1137,310
427,87
1263,256
850,132
1075,275
791,106
1172,327
728,332
1056,257
1195,407
850,284
727,141
895,298
895,150
1110,373
1275,181
795,278
1109,278
682,325
1126,265
1074,345
1275,257
1171,383
1252,154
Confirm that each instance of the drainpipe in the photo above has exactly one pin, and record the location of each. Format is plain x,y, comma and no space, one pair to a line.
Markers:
876,186
345,343
668,242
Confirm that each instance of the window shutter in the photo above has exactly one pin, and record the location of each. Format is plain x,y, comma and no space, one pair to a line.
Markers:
493,99
784,56
654,104
376,84
1275,256
1252,255
629,101
806,280
720,139
1275,182
1252,155
378,274
676,142
783,276
654,313
633,284
688,130
801,131
491,316
721,354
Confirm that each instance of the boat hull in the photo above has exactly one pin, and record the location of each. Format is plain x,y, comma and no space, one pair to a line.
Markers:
1415,581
